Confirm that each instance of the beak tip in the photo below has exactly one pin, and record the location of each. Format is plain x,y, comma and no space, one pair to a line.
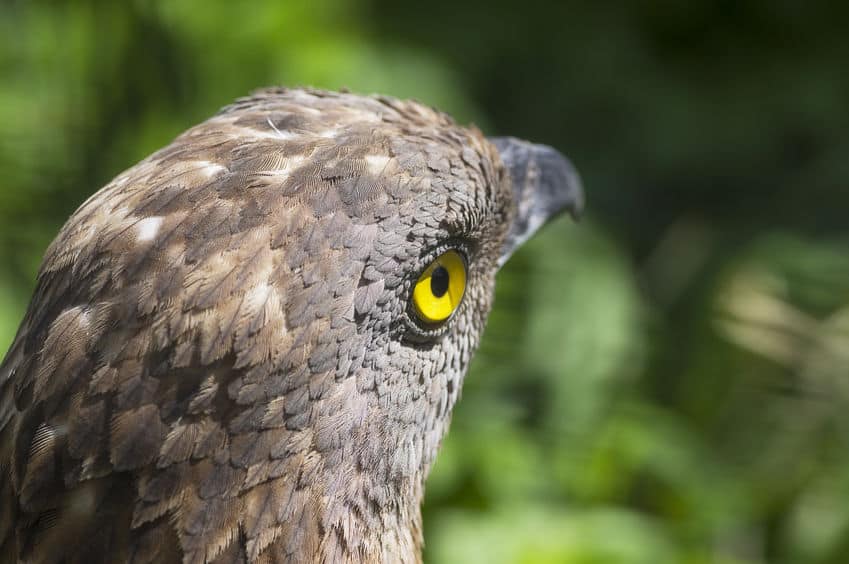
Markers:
545,184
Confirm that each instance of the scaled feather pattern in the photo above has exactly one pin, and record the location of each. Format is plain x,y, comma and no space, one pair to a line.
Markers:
220,362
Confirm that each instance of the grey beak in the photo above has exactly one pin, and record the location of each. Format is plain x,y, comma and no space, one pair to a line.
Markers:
545,184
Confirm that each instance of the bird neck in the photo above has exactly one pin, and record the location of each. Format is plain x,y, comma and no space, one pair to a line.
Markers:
368,478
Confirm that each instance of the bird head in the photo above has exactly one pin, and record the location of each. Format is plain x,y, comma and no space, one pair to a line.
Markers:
261,329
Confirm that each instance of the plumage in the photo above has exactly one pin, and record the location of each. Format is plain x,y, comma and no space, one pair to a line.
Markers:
220,362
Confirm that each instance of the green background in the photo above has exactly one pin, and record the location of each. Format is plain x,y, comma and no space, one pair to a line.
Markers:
667,381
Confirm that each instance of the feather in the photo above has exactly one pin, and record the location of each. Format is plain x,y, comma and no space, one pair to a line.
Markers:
135,437
218,362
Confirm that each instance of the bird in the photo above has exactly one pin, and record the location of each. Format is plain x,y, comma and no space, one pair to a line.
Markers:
247,347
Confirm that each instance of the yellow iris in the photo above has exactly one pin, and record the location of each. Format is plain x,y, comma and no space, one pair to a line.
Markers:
440,288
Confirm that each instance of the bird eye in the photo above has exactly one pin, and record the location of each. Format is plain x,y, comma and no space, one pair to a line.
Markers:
440,288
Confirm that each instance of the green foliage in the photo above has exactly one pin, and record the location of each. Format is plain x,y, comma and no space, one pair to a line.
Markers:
664,382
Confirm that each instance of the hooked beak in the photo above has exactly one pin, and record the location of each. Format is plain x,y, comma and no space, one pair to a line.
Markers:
545,184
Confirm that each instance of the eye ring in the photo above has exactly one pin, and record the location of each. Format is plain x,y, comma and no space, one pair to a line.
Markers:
439,290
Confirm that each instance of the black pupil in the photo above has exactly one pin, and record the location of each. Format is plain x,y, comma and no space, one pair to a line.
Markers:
439,281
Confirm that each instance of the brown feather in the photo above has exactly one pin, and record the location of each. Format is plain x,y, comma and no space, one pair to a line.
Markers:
219,364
